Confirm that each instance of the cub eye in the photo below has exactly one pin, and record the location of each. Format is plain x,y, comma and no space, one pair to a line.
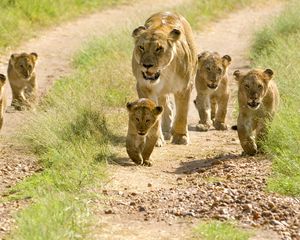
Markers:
141,48
208,68
260,86
219,70
247,86
148,120
138,120
159,49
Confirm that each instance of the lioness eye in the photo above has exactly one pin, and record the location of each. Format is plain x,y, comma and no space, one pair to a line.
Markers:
247,86
219,70
147,121
141,48
260,86
208,68
159,49
137,119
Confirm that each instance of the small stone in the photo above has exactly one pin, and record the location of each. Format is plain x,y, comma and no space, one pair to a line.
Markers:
132,204
108,211
149,185
247,207
142,209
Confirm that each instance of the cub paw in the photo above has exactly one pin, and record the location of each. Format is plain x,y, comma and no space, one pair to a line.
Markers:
220,126
180,139
167,135
160,142
202,127
147,163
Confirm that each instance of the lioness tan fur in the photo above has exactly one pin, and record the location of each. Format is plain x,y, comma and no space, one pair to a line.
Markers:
2,98
22,79
164,62
143,130
258,100
212,90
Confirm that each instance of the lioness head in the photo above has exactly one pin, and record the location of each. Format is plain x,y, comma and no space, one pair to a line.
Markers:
213,67
143,113
154,50
24,63
2,80
253,86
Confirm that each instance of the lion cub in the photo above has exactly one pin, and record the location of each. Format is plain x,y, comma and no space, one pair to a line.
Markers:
21,76
212,90
2,98
143,130
258,100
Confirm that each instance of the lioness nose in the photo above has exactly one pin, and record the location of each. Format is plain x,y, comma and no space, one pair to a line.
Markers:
148,65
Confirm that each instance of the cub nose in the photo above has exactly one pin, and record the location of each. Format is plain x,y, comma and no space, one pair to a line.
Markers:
148,65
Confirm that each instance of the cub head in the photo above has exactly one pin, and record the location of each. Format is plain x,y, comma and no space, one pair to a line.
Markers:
24,63
212,68
253,86
143,114
154,50
2,80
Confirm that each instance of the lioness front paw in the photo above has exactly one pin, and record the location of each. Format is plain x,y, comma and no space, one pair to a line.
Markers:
220,126
249,148
180,139
167,135
202,127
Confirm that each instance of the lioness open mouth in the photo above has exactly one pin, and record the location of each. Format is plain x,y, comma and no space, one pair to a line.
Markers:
253,105
152,77
212,86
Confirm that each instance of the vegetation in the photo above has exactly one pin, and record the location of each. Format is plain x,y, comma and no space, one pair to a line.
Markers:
72,134
200,12
20,18
277,46
216,230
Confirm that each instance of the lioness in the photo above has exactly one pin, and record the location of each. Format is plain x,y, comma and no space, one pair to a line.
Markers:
22,79
143,130
212,90
258,100
2,98
164,62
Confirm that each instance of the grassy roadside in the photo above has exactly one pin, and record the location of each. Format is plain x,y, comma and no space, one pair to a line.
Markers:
213,230
198,13
72,134
277,47
19,19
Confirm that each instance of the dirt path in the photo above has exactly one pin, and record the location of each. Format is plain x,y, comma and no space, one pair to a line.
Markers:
207,179
55,48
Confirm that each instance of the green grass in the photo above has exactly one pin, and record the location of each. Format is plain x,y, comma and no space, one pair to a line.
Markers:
216,230
277,46
19,19
72,134
198,13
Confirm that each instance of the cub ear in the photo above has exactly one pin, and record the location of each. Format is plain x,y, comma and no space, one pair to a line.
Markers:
34,56
174,34
13,57
2,79
226,60
129,106
138,31
203,55
268,74
237,75
158,110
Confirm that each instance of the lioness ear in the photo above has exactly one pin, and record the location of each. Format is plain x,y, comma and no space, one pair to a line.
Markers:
175,34
13,57
157,110
226,60
237,75
129,106
138,31
2,79
34,56
268,74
